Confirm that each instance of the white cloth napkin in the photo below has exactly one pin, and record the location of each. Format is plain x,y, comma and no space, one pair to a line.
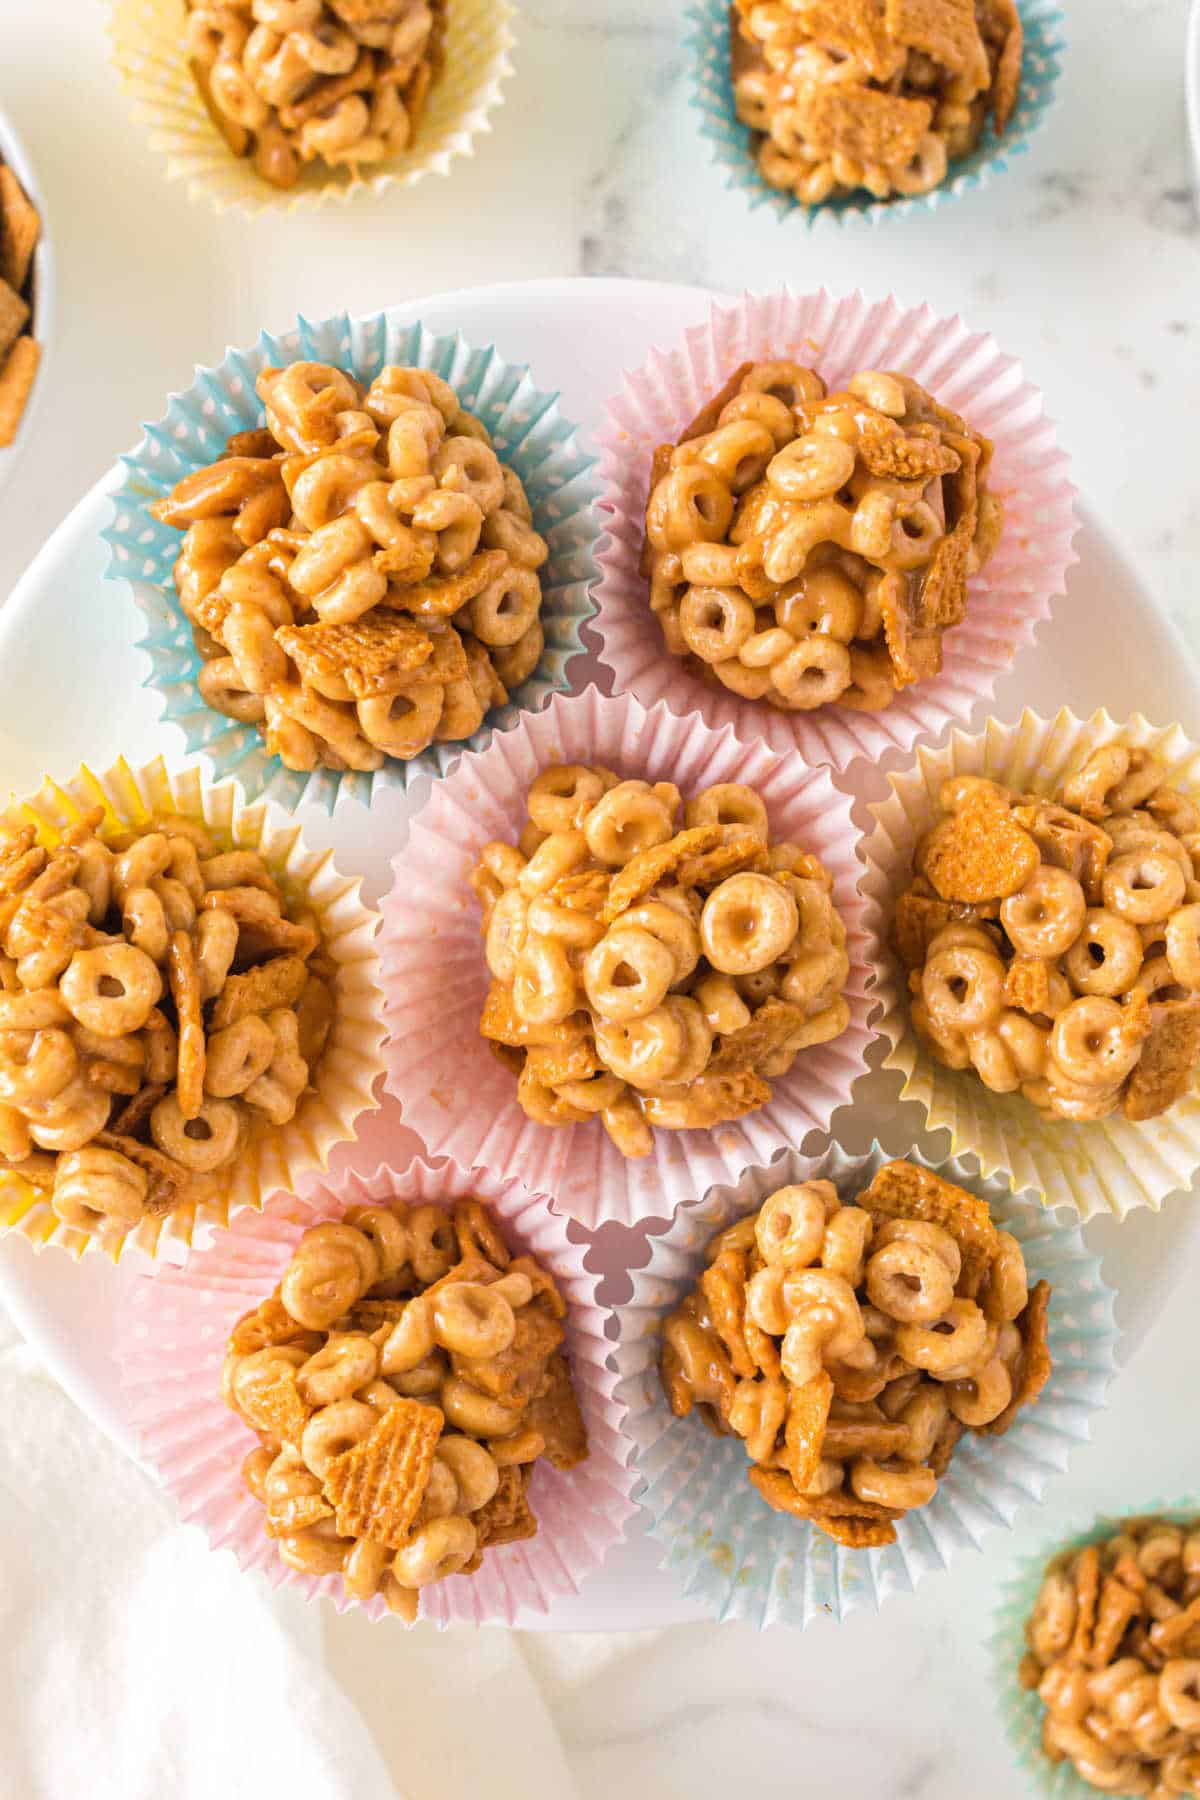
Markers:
134,1663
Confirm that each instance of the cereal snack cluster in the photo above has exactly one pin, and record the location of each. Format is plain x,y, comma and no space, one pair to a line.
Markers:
881,95
805,548
1114,1653
850,1346
290,82
403,1380
160,1003
1053,946
20,352
653,971
361,575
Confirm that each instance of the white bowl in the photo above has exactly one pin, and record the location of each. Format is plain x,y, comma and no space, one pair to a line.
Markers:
13,152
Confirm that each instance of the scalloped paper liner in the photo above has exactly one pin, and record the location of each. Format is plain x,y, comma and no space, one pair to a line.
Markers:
1105,1165
352,1058
149,54
740,1559
966,370
731,142
1021,1711
171,1346
454,1093
530,433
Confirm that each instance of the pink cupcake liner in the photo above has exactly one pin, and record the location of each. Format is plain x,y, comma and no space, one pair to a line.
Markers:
966,370
171,1346
455,1094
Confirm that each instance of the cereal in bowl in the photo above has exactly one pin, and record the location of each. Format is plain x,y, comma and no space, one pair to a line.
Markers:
403,1379
807,549
361,573
1114,1655
849,95
1053,945
851,1345
654,963
292,82
160,1006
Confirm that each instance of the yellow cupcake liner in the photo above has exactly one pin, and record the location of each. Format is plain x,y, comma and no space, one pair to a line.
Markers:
1104,1166
352,1058
150,54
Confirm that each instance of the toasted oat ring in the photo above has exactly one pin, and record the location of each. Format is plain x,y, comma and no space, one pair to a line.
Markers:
963,987
1179,1693
715,622
1183,946
202,1141
738,450
909,1282
507,928
921,1231
728,803
322,1282
410,1340
978,1400
1090,1045
112,989
900,1486
630,818
957,1338
434,1245
790,1227
346,1362
690,505
823,600
672,928
644,1052
1047,915
812,467
333,1431
474,1470
435,1551
561,797
469,1319
33,1011
628,973
748,922
506,608
1106,957
814,673
238,1055
402,725
1144,886
544,989
386,1232
476,1414
36,1065
827,1302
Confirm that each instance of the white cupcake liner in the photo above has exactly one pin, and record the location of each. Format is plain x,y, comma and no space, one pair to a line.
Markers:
454,1093
351,1060
1104,1165
1020,1708
148,48
171,1345
530,434
740,1559
965,370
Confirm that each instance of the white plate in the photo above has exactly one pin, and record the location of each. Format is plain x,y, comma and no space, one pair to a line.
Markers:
70,689
13,152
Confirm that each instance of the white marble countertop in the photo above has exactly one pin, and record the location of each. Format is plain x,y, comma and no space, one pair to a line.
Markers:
1084,260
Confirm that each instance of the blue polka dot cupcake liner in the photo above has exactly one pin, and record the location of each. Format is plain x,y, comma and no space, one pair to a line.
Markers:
740,1559
732,145
529,433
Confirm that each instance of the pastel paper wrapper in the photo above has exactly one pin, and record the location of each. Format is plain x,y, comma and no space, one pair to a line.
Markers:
740,1559
455,1094
529,433
149,50
1021,1710
352,1059
1105,1165
731,143
1008,601
172,1344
